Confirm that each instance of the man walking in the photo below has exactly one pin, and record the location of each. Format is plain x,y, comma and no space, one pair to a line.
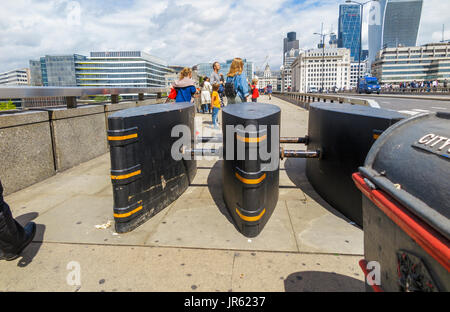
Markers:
215,77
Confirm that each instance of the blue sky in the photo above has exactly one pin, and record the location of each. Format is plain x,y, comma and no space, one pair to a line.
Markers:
182,32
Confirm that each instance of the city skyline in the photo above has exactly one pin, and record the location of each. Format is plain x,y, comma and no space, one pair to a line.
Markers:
181,32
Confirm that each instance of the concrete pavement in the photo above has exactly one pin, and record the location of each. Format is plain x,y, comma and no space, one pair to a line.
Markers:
192,245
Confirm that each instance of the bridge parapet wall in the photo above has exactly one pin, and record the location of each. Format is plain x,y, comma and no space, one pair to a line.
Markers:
36,144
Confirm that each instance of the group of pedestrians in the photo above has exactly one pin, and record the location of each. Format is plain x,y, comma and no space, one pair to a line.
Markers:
217,91
425,85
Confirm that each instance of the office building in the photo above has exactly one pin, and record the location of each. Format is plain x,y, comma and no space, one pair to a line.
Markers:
121,69
18,77
406,64
393,23
267,77
333,43
309,70
350,29
289,43
355,74
101,69
286,71
205,69
55,70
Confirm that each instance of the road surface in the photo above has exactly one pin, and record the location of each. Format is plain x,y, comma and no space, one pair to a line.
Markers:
409,106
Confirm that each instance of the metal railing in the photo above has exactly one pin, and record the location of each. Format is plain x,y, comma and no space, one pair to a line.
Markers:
306,98
70,95
418,91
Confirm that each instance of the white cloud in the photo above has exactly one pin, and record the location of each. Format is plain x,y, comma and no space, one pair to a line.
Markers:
182,32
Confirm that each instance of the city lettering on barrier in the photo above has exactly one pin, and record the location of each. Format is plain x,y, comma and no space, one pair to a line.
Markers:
434,143
255,138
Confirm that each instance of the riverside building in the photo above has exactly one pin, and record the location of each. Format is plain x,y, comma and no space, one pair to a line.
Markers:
406,64
18,77
312,67
122,69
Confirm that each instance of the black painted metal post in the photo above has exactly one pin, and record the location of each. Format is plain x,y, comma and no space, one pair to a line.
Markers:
71,102
114,98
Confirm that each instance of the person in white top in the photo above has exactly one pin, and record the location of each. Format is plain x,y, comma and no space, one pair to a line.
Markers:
206,95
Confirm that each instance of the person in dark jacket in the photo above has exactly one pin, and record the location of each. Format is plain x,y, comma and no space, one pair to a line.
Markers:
13,237
185,86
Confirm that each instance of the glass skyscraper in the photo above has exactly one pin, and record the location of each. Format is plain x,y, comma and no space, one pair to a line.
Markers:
350,29
393,23
55,70
289,43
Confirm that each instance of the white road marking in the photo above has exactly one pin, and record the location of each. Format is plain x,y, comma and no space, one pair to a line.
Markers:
373,104
439,108
421,110
408,112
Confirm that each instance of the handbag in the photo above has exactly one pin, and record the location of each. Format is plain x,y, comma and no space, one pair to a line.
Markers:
172,94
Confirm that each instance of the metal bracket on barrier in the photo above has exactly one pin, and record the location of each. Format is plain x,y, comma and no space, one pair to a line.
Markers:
298,154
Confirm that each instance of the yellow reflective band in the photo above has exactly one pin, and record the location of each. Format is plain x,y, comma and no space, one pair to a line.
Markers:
376,136
124,215
250,219
121,138
251,140
250,181
126,176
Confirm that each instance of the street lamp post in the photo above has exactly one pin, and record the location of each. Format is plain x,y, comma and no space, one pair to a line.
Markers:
322,36
361,5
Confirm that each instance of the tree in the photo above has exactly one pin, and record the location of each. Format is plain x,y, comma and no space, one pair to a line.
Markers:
9,105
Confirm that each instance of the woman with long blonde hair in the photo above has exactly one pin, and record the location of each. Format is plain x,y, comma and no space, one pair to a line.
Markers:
185,86
236,86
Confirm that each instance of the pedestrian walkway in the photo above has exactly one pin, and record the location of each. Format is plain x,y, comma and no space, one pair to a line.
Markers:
192,245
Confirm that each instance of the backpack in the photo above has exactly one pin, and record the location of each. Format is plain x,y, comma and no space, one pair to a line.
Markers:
230,91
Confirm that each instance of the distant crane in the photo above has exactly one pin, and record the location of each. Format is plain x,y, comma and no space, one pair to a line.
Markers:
443,34
263,64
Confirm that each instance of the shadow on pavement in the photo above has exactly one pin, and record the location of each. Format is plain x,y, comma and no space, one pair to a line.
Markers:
215,189
296,171
31,250
313,281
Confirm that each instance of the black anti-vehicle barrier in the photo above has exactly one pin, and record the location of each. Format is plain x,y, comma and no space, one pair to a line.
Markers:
406,208
250,182
145,176
343,134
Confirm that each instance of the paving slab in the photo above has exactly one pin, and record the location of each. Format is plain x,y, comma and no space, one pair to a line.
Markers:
269,272
118,268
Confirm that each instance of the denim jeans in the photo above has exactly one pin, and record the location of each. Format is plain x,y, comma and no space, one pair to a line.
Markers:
215,116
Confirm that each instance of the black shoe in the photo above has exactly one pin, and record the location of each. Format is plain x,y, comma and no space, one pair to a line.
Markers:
30,231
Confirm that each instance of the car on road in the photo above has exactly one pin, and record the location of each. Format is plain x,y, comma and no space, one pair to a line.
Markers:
313,90
368,85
